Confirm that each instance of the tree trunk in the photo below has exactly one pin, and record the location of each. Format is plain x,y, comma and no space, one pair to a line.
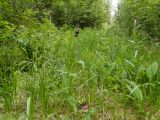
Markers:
14,4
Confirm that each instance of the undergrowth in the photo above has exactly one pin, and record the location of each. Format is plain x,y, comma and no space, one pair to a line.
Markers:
50,74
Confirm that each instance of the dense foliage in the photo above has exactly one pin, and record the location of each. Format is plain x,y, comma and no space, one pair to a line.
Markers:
140,17
51,74
86,13
46,72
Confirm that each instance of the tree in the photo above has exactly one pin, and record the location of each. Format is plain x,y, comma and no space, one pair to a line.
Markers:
146,13
86,13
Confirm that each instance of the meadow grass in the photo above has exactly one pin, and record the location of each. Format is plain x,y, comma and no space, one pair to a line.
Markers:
95,76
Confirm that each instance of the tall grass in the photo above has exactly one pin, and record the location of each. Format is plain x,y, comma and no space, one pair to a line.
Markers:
96,75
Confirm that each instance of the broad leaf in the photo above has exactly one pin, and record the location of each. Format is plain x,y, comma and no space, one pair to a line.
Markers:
152,70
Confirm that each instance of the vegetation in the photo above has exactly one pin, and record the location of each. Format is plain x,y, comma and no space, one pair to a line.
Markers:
47,73
140,17
60,12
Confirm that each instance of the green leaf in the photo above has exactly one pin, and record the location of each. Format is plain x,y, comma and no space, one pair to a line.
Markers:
135,90
152,70
72,101
87,116
28,107
63,117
